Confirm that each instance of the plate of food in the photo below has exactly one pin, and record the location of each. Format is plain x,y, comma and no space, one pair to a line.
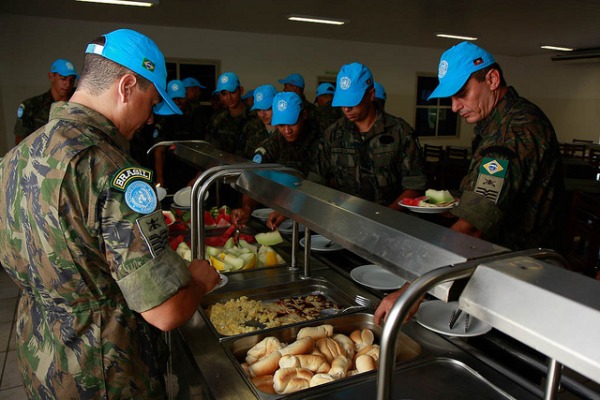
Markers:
434,202
435,315
321,243
286,227
262,213
376,277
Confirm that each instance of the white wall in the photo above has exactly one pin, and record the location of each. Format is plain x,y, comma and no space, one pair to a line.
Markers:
569,94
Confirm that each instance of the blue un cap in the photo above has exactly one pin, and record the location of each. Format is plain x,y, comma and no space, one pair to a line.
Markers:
353,80
140,54
192,82
175,90
248,94
293,79
263,97
456,66
63,67
286,108
325,88
228,81
380,91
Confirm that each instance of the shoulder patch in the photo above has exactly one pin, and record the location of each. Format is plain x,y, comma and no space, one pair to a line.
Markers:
491,178
154,231
493,166
126,175
141,197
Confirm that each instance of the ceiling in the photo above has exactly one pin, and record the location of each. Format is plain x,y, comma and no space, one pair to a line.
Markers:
508,27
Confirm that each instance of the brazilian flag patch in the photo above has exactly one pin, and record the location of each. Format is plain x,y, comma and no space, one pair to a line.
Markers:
149,65
491,178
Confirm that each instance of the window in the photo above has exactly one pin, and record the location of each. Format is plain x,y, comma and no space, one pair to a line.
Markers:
206,71
435,117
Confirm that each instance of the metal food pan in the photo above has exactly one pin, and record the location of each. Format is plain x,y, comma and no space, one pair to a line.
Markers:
266,294
406,349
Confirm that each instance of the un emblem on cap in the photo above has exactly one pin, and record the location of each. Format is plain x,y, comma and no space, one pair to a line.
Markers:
442,69
258,97
224,79
282,105
345,83
174,87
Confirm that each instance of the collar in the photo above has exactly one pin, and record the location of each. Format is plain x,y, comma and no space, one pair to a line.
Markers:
504,104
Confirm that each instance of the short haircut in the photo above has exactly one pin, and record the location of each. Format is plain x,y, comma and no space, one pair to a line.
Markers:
479,76
99,73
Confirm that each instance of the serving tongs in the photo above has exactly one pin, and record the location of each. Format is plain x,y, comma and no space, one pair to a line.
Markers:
454,318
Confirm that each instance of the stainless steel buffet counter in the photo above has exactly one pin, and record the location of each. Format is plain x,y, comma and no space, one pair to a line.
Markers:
510,291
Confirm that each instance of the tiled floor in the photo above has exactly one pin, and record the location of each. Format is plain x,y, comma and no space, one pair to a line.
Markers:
11,384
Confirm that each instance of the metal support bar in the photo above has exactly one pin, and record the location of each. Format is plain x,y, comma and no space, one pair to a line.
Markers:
170,142
553,379
307,244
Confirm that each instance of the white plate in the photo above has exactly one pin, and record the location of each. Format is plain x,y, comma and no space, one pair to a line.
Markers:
183,197
222,282
286,227
262,213
429,210
376,277
435,315
320,242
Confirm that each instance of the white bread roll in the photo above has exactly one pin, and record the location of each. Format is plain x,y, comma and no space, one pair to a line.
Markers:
315,332
262,349
330,349
352,372
340,365
365,363
346,343
264,383
374,352
362,338
266,365
313,363
301,346
319,379
290,380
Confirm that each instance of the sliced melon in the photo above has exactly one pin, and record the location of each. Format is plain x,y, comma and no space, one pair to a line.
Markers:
169,217
236,263
438,196
212,251
229,243
184,251
249,260
217,264
248,246
269,238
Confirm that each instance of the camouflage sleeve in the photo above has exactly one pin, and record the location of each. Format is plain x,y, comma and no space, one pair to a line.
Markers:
480,212
134,245
413,176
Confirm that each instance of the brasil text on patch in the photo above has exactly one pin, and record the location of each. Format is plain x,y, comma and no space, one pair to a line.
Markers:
491,178
126,175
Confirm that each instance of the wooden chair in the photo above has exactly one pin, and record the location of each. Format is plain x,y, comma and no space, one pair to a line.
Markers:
584,141
573,150
432,157
594,160
454,167
582,242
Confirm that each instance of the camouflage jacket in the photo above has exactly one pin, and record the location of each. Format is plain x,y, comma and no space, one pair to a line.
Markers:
226,132
517,211
326,115
300,154
377,165
32,114
87,263
255,132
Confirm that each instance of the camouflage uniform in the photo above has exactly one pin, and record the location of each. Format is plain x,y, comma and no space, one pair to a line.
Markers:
87,264
523,216
32,114
299,154
377,165
225,131
255,132
326,115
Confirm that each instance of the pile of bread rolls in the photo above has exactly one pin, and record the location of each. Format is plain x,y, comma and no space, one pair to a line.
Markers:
317,356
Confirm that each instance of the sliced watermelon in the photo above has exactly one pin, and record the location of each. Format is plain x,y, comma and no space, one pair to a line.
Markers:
169,217
414,201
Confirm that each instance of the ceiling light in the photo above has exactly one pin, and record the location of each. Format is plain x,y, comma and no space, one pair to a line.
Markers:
317,20
140,3
446,35
557,48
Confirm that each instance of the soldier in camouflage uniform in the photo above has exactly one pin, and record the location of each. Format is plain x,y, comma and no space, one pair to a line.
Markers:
226,128
295,146
513,189
259,129
81,235
326,114
34,112
369,154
